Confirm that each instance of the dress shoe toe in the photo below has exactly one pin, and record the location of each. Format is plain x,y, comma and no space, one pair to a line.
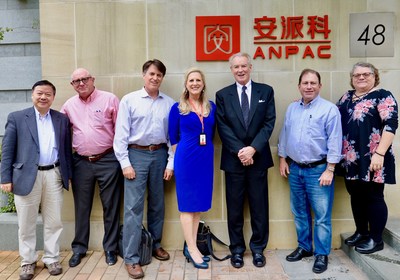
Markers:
161,254
237,260
111,257
298,254
258,259
369,246
356,239
135,271
320,264
76,259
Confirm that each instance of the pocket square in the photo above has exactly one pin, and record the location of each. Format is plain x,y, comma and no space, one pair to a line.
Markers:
261,101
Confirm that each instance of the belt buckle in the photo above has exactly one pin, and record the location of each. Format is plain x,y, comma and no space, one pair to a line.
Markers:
152,148
92,158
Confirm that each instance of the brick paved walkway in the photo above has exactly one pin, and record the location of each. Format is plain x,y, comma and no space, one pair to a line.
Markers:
94,267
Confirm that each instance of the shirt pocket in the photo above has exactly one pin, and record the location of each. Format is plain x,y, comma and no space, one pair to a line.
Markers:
98,118
316,128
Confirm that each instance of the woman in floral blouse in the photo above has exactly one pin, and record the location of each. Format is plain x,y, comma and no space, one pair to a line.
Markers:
369,122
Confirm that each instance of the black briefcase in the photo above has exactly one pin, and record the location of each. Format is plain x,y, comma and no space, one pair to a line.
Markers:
145,247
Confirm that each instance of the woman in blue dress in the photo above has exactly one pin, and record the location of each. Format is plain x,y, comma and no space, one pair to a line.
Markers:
191,129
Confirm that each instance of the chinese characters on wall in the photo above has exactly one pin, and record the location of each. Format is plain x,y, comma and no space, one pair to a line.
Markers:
292,35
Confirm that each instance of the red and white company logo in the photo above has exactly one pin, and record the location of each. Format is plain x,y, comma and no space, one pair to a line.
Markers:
217,37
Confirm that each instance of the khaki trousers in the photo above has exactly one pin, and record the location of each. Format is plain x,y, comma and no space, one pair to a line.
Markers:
47,192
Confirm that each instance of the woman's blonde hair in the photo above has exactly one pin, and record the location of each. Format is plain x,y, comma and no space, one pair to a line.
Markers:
184,104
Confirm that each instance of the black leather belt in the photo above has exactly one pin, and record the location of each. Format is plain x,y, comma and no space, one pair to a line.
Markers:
97,157
48,167
311,164
147,148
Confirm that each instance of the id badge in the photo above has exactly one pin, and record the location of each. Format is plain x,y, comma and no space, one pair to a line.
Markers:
202,139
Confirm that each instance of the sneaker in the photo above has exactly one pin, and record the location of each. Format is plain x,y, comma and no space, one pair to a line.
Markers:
54,268
27,271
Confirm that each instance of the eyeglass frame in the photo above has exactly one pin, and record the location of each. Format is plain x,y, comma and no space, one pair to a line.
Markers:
83,80
365,75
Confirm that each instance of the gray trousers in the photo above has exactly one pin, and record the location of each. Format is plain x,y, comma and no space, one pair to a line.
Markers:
149,167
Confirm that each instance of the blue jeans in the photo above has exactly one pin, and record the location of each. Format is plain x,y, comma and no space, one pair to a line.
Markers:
307,194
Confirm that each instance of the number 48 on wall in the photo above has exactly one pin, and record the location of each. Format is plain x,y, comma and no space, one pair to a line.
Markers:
372,35
377,37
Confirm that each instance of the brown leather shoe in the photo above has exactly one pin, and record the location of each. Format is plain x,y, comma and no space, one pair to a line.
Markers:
134,270
161,254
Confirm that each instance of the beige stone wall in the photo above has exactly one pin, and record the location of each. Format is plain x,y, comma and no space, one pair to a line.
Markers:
114,38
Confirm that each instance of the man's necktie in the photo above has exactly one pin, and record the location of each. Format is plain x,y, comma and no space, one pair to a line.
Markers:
245,106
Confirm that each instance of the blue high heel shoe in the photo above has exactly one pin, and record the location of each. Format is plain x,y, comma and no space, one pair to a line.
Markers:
205,258
189,258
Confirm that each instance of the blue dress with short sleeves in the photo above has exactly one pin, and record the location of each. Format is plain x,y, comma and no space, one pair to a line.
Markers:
193,163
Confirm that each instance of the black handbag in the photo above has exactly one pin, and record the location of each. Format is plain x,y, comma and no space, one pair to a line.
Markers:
145,247
204,241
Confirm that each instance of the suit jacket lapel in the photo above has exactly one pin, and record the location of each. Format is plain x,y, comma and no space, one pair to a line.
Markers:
236,104
32,126
255,98
57,126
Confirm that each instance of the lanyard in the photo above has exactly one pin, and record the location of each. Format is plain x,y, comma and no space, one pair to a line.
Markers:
200,115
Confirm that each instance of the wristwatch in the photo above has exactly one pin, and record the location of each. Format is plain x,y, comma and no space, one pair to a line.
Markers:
330,168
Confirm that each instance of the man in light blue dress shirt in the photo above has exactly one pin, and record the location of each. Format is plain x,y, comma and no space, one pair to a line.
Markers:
309,147
140,145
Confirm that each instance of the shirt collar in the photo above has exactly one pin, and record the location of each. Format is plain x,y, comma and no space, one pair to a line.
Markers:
239,86
39,116
315,100
91,97
144,93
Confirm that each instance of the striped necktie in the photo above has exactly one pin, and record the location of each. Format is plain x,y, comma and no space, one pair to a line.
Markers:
245,106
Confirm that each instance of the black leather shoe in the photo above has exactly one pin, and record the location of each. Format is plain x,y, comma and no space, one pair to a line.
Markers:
298,254
320,264
355,239
369,246
76,259
258,259
111,257
237,260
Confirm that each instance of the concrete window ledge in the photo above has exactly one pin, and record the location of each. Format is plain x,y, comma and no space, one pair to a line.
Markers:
9,232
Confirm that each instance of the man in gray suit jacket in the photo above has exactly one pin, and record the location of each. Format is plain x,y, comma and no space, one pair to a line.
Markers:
36,165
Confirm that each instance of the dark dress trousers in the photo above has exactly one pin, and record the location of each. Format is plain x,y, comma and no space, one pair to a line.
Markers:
250,181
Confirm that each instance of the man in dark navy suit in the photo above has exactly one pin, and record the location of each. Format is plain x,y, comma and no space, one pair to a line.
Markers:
245,120
36,166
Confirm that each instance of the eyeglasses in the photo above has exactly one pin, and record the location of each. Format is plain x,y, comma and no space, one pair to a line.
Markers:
78,81
365,75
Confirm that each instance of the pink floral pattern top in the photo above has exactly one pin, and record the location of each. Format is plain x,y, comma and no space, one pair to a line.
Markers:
363,122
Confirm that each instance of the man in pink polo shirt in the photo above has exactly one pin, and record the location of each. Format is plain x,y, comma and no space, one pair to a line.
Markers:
92,114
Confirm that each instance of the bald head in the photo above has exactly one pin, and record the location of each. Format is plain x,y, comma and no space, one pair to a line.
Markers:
83,82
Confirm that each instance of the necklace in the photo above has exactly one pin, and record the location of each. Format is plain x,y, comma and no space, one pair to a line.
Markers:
356,97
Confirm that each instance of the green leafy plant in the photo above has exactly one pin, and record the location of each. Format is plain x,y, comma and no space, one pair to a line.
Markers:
10,207
4,30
